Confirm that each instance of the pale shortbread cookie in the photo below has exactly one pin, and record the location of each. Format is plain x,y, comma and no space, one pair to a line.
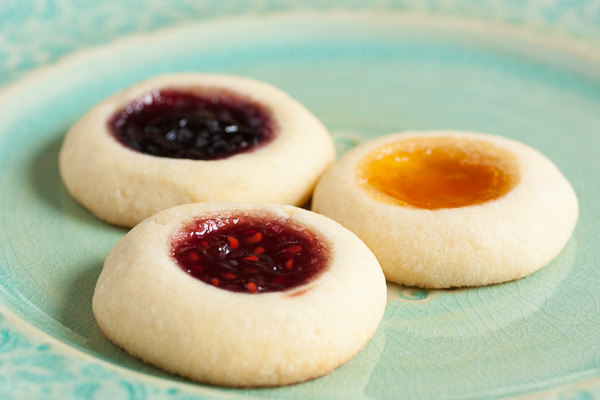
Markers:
145,303
122,186
495,241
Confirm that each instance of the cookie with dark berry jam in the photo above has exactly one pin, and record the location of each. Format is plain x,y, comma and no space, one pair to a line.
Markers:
178,139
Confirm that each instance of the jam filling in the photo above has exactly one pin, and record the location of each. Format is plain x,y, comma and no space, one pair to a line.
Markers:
434,173
203,125
249,254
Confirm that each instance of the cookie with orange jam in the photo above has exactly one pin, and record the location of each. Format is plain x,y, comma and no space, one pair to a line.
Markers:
240,294
185,138
448,209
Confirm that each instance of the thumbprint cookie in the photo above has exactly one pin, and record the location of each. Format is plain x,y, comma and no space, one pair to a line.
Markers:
187,138
448,209
240,294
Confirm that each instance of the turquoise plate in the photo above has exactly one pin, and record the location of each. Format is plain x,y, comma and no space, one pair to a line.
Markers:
363,74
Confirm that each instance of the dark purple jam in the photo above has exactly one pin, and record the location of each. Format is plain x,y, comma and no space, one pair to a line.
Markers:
208,125
250,254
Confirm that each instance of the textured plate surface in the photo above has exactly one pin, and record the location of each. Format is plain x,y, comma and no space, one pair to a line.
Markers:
363,75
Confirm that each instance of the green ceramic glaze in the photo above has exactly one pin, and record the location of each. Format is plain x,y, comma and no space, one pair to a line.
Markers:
363,75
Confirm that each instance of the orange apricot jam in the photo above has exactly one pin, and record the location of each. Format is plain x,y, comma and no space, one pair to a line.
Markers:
438,172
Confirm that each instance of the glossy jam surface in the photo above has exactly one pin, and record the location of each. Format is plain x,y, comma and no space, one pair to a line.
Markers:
443,172
250,254
203,125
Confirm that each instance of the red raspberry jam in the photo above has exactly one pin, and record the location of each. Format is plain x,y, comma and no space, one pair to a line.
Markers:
250,254
204,125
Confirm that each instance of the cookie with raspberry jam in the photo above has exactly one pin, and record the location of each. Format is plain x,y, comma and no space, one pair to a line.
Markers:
240,294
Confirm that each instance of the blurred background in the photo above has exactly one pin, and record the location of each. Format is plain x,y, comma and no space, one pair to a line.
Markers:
38,32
